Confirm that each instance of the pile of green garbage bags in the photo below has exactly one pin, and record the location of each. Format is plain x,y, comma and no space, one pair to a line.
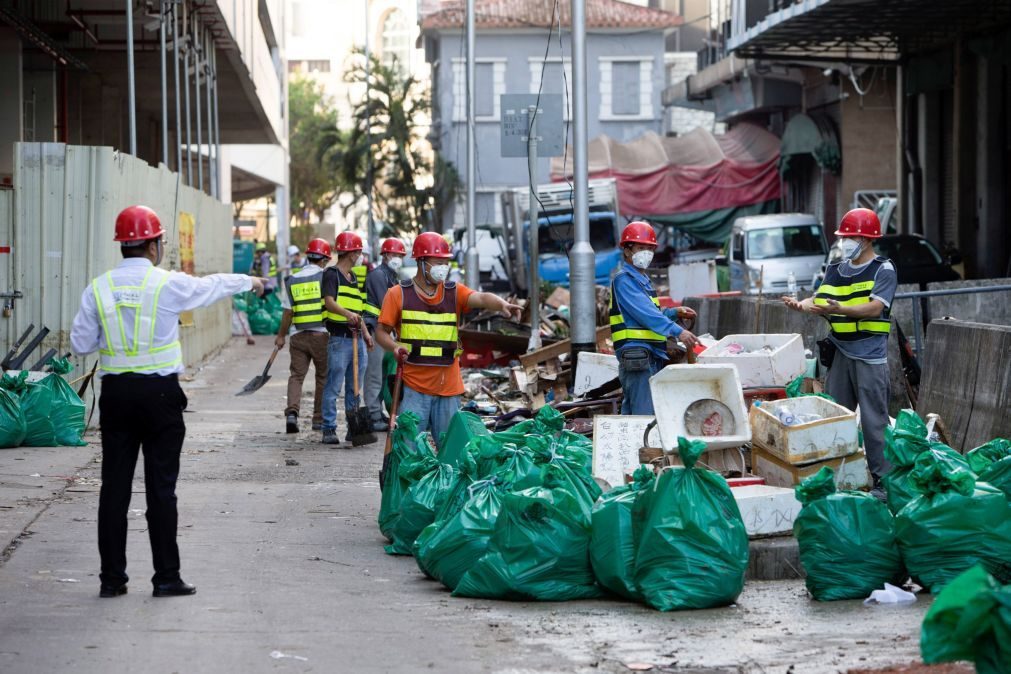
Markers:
43,413
517,515
970,620
264,312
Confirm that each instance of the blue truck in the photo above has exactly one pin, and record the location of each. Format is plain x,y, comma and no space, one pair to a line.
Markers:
556,232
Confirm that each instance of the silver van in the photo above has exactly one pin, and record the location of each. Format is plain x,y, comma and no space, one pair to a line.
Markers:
770,247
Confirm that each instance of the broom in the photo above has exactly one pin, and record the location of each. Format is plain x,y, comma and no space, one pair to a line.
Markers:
359,422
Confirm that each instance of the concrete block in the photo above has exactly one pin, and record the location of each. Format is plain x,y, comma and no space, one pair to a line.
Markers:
774,559
767,511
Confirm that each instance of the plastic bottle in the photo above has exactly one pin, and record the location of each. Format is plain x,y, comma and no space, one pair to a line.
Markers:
786,416
791,285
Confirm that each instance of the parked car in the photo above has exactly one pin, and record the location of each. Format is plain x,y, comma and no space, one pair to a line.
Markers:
916,259
767,248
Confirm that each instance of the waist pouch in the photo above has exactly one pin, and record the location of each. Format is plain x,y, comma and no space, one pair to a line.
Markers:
635,359
826,352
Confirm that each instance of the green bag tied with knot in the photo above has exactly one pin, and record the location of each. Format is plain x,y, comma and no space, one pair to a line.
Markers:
847,540
612,541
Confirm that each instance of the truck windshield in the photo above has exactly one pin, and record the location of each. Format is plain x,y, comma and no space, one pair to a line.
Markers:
556,233
796,241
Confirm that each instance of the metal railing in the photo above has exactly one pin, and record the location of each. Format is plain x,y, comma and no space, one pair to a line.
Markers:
918,336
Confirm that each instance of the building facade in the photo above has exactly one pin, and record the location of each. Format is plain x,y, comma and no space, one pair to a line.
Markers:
625,48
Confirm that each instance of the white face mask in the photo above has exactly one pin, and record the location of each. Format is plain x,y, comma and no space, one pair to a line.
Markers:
395,263
359,260
642,259
849,248
439,272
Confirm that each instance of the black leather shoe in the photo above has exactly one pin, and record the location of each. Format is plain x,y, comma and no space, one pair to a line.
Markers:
176,589
291,423
108,591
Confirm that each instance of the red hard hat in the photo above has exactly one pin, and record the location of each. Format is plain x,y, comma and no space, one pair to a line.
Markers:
638,232
860,222
137,223
395,246
348,241
318,247
430,244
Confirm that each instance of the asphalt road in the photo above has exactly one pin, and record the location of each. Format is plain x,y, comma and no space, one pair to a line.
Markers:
279,534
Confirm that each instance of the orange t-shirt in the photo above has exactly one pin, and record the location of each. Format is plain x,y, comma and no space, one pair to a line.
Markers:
428,379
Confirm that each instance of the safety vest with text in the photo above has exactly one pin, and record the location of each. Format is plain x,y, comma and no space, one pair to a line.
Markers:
429,331
131,347
621,332
348,297
258,266
850,291
306,296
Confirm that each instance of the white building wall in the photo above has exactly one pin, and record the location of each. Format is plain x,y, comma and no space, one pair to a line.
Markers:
65,202
680,121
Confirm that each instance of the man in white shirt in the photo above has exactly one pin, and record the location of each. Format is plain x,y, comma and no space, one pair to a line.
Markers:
131,316
303,309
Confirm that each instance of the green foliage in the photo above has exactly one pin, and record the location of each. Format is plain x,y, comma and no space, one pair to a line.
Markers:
313,123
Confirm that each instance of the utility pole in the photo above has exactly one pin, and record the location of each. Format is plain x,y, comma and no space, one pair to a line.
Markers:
162,16
583,302
471,262
131,87
533,217
373,238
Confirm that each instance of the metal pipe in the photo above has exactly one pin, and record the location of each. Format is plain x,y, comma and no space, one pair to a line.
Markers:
164,87
217,120
471,261
186,89
917,328
197,65
211,168
583,305
533,217
175,80
373,243
131,85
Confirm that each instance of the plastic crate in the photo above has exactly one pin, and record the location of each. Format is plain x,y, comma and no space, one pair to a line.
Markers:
778,367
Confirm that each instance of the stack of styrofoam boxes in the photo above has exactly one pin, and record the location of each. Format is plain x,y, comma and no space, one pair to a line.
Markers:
784,455
766,510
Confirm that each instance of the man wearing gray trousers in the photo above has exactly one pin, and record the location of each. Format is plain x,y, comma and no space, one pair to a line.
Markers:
856,298
377,283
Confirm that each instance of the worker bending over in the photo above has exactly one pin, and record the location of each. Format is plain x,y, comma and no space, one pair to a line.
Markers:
130,315
856,298
425,313
303,310
639,329
377,283
342,312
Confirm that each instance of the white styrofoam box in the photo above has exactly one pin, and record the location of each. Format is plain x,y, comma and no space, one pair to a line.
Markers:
850,471
593,370
835,435
766,511
692,279
779,367
676,387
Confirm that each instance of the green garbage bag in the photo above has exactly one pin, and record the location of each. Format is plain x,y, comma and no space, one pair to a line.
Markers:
514,465
12,420
36,405
970,620
612,543
462,428
847,540
904,441
261,322
992,463
954,524
793,390
691,544
539,550
68,410
396,485
447,549
431,481
562,468
239,303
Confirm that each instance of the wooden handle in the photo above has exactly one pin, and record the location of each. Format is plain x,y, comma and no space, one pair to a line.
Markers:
692,358
354,358
397,384
270,361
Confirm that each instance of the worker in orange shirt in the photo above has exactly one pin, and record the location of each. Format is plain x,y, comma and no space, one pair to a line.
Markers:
425,315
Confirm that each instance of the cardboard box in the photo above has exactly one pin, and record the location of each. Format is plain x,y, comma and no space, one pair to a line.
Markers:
850,471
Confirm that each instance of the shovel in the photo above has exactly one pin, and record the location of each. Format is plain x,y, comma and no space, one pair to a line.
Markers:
259,380
397,384
359,422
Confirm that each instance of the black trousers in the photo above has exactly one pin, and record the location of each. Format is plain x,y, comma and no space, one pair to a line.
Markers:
137,412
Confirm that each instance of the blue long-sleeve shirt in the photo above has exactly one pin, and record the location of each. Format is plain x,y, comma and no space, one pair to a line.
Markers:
632,292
